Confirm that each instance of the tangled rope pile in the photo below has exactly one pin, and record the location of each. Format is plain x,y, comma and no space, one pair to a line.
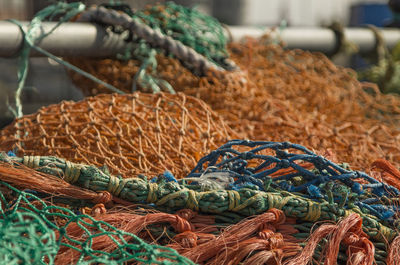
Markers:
130,134
295,181
332,187
323,106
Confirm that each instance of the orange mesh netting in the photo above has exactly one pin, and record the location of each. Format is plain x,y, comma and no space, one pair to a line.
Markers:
282,95
131,134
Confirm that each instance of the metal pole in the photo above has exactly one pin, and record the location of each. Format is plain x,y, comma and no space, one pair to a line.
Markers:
321,39
90,40
69,39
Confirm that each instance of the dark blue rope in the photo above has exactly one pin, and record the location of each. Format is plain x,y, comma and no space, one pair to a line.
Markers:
228,158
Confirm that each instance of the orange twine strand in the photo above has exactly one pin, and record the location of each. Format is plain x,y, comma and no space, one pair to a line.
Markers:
349,232
27,178
393,257
393,174
127,222
232,235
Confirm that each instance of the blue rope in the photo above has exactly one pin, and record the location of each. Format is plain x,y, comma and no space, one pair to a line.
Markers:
326,181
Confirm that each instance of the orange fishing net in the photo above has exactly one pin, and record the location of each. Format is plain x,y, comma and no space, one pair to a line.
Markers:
131,134
282,95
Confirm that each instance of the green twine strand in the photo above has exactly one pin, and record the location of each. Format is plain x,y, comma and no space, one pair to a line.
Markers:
27,233
32,35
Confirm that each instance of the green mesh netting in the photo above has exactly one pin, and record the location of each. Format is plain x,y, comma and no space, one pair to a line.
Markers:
188,26
35,232
194,29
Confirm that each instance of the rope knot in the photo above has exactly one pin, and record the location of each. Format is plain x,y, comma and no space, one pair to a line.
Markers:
182,225
103,197
234,199
186,239
116,185
274,240
152,192
246,155
72,172
31,161
285,163
314,211
99,209
279,216
192,202
186,214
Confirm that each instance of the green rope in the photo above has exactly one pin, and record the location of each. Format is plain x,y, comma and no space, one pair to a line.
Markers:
172,196
147,56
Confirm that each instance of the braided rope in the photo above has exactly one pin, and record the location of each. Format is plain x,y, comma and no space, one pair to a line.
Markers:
155,38
172,196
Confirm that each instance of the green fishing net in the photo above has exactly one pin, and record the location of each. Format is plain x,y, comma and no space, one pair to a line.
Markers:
191,27
33,231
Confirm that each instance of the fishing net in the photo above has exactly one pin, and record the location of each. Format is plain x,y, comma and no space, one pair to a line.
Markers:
130,134
35,232
320,105
283,95
195,39
270,180
87,177
194,29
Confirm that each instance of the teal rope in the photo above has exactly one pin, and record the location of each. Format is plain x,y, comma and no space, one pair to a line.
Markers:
148,57
31,38
171,196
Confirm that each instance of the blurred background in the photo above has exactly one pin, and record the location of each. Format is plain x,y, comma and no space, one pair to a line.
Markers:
48,83
249,12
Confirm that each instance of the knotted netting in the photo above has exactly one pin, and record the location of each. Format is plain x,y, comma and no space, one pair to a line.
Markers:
35,232
267,166
130,134
198,41
191,27
245,202
283,95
